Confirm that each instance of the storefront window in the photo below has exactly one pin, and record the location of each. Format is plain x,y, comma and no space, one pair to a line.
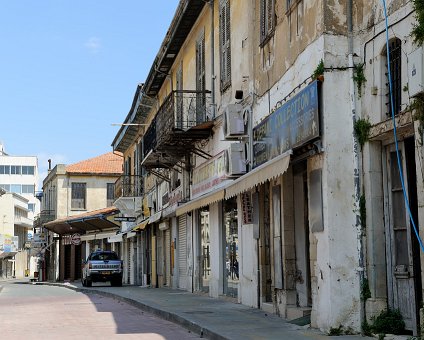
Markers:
205,250
231,256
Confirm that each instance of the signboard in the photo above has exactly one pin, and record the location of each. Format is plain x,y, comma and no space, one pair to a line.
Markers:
124,219
39,238
293,124
8,243
76,239
208,175
246,202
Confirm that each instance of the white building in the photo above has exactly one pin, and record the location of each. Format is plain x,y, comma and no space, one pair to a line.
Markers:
19,175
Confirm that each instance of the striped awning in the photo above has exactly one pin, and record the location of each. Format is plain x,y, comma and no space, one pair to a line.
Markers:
260,175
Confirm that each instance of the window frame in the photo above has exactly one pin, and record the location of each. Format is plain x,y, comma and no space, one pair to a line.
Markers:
225,44
268,20
395,52
75,186
110,189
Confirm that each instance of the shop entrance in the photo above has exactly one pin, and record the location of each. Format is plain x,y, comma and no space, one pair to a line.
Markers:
205,250
402,248
231,249
301,233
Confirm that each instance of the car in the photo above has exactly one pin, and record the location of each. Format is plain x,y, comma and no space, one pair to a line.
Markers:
102,266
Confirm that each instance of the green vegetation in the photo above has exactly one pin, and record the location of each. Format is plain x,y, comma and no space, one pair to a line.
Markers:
418,29
387,322
319,70
362,129
359,77
418,106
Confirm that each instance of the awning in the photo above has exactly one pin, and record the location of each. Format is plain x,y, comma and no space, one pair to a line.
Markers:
261,174
214,196
96,220
97,236
141,226
155,217
115,238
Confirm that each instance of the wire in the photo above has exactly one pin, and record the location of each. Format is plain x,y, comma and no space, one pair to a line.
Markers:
395,132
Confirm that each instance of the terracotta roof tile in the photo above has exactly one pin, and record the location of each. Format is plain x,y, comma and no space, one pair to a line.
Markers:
109,163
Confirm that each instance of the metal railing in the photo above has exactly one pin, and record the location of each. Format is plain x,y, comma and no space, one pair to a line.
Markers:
129,186
43,217
180,111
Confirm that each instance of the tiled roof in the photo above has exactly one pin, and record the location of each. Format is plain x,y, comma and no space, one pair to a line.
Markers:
109,163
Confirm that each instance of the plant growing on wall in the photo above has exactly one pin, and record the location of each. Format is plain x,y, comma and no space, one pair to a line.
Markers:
418,106
359,77
365,290
418,29
319,71
362,130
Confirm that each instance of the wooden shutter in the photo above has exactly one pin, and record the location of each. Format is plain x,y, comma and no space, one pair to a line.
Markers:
225,42
200,79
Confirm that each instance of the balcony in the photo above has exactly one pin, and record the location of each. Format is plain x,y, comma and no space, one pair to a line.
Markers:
43,217
129,186
183,119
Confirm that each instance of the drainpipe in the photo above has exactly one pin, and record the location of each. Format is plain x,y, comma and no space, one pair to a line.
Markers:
213,77
357,187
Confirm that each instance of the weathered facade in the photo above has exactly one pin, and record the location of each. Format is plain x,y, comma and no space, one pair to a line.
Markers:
246,175
74,201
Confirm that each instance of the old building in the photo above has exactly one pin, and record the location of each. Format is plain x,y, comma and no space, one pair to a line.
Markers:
246,172
77,204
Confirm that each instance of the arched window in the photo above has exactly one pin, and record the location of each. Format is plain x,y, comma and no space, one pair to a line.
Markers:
395,56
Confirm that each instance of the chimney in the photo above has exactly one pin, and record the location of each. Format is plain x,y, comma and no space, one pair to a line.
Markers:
50,165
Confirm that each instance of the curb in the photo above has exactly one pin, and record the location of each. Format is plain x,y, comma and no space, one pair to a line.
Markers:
177,319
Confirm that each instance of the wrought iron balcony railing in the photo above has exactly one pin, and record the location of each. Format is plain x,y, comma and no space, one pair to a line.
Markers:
180,112
129,186
43,217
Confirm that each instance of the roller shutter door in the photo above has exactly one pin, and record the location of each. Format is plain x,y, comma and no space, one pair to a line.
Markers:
182,252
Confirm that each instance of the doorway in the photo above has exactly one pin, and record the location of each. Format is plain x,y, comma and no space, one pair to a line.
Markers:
301,234
231,248
402,248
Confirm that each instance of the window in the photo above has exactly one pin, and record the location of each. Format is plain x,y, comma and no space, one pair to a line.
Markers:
200,79
225,43
5,187
110,194
28,189
4,169
78,196
27,170
31,207
16,188
15,169
267,19
395,54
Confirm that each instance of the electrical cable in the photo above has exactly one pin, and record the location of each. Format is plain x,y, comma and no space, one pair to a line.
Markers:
395,132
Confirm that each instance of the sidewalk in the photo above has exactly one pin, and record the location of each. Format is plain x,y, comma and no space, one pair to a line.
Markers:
209,317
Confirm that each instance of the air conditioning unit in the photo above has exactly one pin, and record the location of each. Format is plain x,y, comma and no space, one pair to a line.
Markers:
236,159
415,72
234,126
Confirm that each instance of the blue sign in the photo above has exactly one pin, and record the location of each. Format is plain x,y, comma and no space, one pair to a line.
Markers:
291,125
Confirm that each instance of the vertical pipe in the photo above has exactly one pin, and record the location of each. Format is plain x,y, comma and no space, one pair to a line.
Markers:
213,77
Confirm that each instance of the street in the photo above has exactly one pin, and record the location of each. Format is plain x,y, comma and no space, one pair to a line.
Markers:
30,311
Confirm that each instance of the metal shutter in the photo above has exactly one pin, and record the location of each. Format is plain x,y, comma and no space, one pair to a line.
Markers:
167,258
182,251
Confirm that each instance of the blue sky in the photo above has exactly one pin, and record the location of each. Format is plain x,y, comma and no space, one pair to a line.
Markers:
68,69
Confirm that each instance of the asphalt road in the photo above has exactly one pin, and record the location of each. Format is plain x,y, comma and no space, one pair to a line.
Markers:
30,311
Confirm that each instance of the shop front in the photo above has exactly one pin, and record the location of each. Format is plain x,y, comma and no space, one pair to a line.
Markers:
78,236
